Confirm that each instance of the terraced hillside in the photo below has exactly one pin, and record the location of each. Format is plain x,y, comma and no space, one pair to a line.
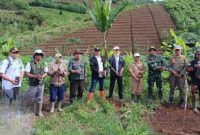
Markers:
133,30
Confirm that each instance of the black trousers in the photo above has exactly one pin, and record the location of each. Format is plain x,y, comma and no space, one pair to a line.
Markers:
76,85
113,78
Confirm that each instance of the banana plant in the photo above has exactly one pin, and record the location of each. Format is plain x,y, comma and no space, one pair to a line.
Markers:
6,43
103,16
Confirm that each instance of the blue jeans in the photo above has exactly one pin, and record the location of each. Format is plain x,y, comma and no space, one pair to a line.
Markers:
94,84
57,93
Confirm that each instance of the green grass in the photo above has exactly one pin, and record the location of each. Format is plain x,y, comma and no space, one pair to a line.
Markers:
98,118
55,25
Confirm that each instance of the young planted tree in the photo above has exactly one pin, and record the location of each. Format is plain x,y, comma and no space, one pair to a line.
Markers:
103,16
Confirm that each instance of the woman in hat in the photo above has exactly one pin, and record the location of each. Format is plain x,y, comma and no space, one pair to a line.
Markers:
57,72
136,70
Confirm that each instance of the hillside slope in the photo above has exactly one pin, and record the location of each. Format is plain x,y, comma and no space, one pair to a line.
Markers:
140,27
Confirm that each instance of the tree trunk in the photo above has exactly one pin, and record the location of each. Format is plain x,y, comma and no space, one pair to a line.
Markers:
105,43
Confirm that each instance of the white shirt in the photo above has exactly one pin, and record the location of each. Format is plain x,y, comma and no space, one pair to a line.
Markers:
100,63
117,62
14,70
28,68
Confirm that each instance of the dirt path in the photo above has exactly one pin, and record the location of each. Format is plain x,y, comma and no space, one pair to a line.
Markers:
170,121
15,121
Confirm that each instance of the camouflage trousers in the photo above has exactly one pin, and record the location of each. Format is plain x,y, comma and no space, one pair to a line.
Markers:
154,79
177,82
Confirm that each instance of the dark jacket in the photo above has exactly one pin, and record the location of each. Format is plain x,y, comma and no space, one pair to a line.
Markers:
194,79
112,63
95,66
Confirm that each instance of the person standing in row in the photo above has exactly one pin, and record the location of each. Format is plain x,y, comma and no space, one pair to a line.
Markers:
194,70
77,69
11,71
177,66
35,70
117,65
156,65
57,72
97,63
136,70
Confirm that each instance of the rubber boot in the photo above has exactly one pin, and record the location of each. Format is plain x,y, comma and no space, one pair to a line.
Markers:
35,109
102,94
170,101
182,103
194,103
160,93
59,106
133,98
52,107
40,110
138,98
90,96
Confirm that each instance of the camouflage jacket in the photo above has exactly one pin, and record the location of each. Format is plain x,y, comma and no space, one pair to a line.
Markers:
77,65
178,64
154,62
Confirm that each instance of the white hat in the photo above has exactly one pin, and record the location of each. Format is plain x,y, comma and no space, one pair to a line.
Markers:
177,47
38,51
116,48
136,55
58,55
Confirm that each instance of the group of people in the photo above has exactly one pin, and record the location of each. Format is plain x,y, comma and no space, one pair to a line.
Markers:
12,72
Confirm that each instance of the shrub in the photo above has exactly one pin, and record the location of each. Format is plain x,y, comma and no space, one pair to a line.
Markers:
37,17
13,5
65,7
21,5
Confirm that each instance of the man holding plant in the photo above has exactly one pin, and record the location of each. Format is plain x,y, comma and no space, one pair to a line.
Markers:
11,71
77,77
36,70
177,66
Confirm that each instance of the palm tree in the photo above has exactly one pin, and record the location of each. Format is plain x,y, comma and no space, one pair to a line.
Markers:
103,16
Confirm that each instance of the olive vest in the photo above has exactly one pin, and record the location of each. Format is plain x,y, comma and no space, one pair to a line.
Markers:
35,70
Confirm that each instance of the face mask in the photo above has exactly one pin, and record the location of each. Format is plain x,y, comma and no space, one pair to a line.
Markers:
58,60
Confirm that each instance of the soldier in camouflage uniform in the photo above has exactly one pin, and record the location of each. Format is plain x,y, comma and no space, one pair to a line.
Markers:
177,67
155,67
77,69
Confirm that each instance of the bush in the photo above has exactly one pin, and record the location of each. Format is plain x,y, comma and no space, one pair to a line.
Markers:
37,17
21,5
13,5
65,7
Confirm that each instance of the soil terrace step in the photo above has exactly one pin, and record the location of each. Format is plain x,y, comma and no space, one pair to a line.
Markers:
147,22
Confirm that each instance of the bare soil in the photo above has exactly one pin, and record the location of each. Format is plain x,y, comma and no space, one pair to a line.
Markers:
172,120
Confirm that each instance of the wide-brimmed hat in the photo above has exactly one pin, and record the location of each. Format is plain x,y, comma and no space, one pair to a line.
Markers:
177,47
77,52
38,51
58,55
152,48
136,55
